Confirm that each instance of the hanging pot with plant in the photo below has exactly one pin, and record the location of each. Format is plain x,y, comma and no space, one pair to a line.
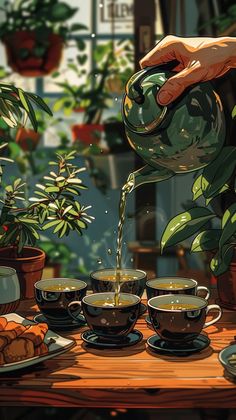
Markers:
34,33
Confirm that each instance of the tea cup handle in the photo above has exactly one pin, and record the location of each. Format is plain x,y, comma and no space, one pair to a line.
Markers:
199,288
75,302
209,308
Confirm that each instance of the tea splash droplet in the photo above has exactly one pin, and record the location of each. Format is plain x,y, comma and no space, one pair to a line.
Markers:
99,261
109,251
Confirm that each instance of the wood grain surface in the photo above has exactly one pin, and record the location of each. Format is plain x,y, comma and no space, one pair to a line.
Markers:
131,377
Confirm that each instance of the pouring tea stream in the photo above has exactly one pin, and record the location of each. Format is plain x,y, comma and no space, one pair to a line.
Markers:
179,138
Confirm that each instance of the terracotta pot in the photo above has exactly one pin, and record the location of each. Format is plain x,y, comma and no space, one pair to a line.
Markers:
226,285
87,133
29,267
27,139
32,66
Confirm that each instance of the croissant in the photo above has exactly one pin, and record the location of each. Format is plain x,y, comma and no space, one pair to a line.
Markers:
35,333
3,323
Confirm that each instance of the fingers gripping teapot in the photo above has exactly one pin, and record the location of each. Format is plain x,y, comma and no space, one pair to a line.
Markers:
181,137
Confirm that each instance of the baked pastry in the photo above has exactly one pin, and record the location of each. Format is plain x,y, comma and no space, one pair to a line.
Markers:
19,349
11,331
35,333
3,323
2,360
40,350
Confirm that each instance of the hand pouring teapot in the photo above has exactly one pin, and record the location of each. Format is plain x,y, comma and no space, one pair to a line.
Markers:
182,137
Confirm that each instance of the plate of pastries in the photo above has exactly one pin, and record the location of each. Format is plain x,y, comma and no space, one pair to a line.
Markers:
24,343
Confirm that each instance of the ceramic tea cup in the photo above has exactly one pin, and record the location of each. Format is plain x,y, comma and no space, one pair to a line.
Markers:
180,318
10,290
175,285
59,299
132,281
108,321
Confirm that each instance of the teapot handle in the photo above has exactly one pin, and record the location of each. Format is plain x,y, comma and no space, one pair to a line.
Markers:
134,89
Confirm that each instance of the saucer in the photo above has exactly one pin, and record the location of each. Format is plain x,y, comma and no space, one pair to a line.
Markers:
224,357
143,309
94,340
73,324
160,346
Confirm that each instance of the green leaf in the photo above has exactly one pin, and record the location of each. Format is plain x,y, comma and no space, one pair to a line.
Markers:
233,113
60,12
223,189
216,174
81,224
27,220
228,224
81,59
197,188
23,100
78,27
64,229
72,190
221,260
29,109
52,189
51,224
185,225
40,103
59,226
206,240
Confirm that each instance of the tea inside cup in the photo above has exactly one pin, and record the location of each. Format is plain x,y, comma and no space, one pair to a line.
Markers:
59,299
131,281
175,285
179,318
110,321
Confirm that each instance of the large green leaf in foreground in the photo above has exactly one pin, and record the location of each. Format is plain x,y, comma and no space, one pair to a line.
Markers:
185,225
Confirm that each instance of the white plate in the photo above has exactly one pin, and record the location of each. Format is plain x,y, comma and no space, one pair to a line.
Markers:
56,345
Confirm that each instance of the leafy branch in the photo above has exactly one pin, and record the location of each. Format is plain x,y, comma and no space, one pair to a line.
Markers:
215,180
54,206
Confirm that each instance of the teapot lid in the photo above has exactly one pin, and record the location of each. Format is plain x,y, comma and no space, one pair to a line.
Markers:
141,112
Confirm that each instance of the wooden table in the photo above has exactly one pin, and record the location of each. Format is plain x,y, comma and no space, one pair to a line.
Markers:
126,378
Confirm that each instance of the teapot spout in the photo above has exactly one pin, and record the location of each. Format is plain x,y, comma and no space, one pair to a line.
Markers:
148,174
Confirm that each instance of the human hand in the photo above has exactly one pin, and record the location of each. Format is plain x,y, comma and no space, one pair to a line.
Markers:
200,59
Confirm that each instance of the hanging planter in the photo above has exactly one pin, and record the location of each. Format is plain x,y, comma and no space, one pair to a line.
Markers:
30,56
34,34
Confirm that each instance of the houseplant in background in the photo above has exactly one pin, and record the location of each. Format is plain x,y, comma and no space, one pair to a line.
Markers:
34,33
215,182
101,140
55,206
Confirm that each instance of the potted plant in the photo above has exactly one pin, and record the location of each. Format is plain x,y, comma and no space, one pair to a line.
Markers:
55,206
215,182
101,140
94,96
34,32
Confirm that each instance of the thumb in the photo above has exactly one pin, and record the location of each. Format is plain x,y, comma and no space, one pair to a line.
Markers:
176,85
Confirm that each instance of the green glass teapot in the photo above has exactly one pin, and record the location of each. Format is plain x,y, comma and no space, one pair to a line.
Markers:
181,137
